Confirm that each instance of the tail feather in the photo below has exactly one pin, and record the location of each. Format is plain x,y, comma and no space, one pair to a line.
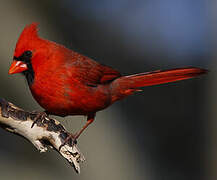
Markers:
126,85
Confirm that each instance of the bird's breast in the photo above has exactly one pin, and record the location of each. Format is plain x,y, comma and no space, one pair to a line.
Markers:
61,97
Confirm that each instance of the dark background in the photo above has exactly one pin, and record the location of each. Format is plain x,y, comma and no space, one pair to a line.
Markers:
166,132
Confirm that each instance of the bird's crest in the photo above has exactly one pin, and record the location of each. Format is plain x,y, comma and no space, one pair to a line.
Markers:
28,39
30,31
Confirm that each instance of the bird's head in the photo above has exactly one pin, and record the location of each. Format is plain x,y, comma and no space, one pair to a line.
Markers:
29,52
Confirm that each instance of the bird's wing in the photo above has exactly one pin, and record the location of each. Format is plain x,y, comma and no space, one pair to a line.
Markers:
94,74
91,72
108,74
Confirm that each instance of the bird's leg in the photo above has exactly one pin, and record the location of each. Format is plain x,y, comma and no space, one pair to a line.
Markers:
73,138
39,117
69,139
90,119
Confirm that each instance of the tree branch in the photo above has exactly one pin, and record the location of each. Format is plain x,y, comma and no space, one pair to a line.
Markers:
47,132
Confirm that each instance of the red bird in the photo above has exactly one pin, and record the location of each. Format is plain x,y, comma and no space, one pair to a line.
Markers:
66,83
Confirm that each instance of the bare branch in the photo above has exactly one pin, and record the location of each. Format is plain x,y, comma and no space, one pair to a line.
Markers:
47,132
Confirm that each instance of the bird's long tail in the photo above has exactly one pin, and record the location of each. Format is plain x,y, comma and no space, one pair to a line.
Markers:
126,85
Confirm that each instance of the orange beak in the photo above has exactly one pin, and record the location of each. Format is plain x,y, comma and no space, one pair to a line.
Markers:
17,67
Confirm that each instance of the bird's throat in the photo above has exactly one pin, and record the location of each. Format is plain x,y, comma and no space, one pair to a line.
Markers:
29,74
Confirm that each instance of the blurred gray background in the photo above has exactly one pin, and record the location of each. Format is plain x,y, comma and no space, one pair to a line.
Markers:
166,132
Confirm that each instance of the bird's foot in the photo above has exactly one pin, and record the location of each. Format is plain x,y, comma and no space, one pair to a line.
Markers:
39,118
70,139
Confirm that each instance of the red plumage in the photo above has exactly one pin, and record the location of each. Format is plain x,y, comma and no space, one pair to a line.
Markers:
65,83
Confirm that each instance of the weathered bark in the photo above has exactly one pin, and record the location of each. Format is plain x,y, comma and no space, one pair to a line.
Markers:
45,132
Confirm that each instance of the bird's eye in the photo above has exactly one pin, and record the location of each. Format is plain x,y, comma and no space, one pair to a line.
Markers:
27,54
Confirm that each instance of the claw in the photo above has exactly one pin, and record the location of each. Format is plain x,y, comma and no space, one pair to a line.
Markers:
39,118
70,139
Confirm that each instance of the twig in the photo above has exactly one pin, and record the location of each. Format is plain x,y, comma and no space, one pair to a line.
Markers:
47,132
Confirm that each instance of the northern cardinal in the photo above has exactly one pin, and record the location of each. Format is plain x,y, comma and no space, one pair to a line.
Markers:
66,83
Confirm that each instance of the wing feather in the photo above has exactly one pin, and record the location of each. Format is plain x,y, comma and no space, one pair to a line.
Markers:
89,71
